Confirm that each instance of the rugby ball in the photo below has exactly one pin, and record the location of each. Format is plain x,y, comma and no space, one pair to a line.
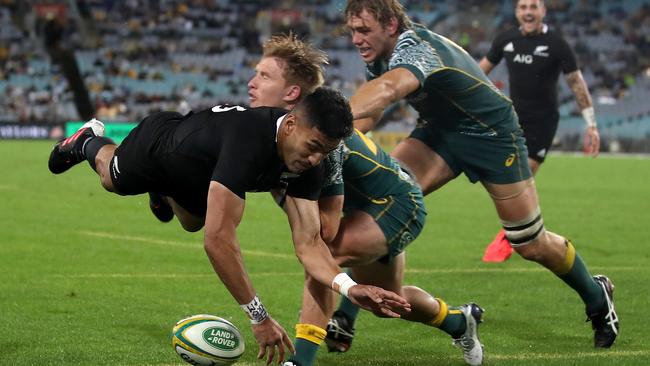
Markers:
207,340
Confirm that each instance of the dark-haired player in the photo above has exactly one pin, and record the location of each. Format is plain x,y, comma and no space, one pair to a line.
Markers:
205,163
382,206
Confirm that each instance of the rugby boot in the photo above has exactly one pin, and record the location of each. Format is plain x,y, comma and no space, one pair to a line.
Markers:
469,341
70,151
499,250
291,363
339,333
160,208
605,321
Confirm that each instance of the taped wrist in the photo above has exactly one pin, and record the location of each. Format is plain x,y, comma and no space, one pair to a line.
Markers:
342,283
255,310
590,116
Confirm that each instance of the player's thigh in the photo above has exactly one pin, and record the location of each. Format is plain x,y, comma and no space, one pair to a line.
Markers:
359,240
132,169
385,275
429,168
514,202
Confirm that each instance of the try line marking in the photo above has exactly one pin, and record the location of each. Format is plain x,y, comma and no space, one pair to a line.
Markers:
287,274
178,244
530,268
169,275
605,354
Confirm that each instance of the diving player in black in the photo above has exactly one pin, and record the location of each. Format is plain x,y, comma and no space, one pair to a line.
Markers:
535,55
205,163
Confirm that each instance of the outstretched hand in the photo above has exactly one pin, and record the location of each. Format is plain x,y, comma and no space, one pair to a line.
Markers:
270,334
379,301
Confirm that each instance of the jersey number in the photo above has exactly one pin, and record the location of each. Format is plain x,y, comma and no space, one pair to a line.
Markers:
226,108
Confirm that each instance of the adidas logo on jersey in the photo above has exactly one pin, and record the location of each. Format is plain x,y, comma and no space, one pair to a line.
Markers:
509,47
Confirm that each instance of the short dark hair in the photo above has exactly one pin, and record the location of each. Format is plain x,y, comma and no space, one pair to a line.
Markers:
328,111
381,10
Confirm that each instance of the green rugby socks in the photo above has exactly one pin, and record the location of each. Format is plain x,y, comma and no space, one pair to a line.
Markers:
575,274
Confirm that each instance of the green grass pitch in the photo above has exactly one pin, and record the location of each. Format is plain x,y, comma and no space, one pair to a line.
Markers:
90,278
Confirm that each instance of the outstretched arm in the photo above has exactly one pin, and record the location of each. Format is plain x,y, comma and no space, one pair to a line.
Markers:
318,262
579,87
225,210
374,96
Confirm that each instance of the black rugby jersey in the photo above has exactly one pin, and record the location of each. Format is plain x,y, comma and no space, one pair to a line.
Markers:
231,145
534,63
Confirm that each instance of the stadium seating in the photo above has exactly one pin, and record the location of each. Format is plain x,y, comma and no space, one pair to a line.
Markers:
200,55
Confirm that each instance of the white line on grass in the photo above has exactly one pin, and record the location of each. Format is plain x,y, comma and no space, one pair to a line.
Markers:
179,244
576,154
514,270
605,354
281,274
167,275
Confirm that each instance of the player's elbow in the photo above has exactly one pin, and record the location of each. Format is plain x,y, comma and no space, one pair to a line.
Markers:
389,92
216,241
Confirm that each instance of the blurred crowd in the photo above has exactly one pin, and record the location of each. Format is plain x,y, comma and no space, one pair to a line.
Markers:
140,56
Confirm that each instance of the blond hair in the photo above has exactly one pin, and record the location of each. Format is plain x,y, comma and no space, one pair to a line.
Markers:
303,63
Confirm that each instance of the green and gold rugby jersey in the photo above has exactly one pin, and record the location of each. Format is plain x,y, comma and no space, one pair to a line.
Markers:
364,172
454,92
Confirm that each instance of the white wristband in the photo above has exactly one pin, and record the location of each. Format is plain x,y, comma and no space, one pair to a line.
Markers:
590,116
342,283
255,310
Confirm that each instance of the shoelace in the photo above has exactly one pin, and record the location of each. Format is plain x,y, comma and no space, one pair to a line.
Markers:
610,318
335,328
465,343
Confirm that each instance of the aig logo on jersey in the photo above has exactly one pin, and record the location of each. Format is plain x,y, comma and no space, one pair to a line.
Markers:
523,59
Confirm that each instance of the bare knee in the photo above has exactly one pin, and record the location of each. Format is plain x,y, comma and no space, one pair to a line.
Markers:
107,183
547,249
188,221
191,225
530,251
